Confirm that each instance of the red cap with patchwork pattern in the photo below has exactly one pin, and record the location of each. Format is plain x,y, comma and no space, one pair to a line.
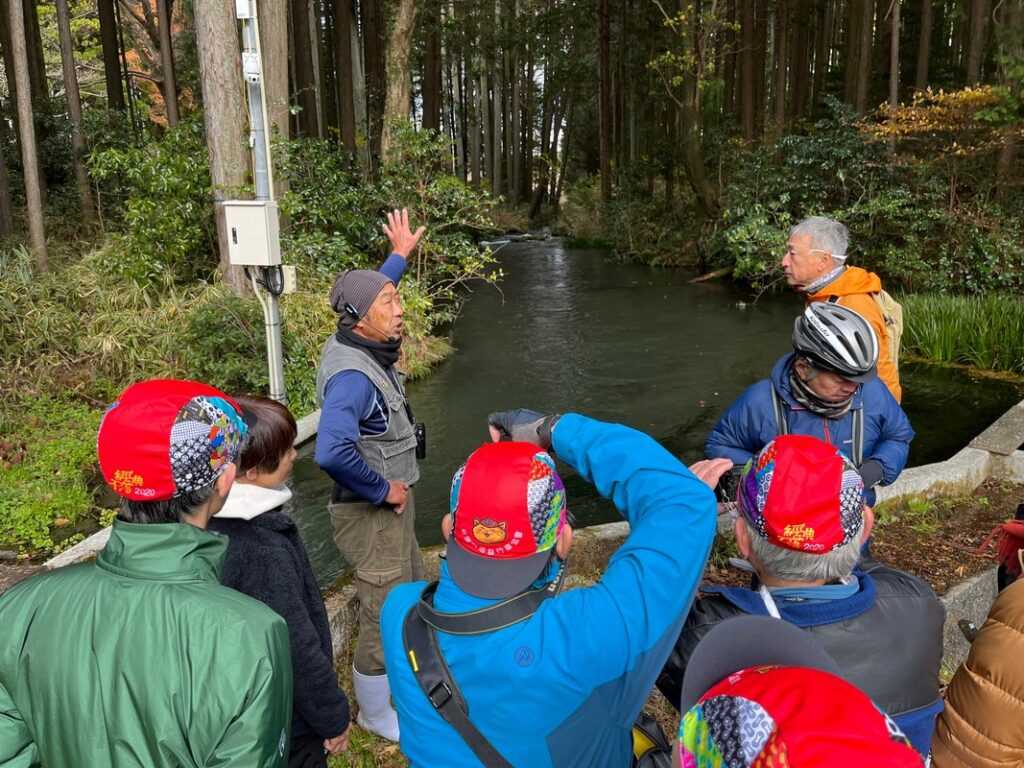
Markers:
165,437
800,493
508,505
790,717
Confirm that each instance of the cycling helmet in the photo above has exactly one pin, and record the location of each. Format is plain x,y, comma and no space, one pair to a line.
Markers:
837,339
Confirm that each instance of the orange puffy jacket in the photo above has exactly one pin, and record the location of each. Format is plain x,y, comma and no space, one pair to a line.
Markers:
983,723
854,288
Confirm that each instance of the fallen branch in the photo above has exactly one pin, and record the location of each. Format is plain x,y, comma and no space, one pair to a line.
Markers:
712,275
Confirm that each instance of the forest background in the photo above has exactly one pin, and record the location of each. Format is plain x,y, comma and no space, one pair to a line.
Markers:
675,132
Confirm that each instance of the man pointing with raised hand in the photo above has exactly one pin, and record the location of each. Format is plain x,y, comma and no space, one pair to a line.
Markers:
367,442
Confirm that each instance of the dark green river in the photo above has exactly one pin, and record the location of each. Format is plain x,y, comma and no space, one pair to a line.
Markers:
571,330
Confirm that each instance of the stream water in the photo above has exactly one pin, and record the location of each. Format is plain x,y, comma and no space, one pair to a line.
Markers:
571,330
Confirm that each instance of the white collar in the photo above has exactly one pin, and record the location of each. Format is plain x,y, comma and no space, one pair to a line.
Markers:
246,501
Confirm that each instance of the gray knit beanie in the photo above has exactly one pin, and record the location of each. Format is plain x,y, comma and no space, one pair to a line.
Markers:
358,287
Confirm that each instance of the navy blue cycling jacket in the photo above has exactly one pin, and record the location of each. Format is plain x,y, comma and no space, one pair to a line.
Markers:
748,425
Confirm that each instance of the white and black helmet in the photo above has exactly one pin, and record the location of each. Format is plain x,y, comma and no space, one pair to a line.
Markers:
837,339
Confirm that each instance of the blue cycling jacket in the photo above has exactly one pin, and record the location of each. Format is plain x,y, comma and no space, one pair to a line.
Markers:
748,425
564,687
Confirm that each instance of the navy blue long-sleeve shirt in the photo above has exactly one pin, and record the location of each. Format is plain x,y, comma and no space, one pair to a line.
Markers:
354,407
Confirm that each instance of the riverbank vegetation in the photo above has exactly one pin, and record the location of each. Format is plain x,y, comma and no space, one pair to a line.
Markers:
985,332
142,299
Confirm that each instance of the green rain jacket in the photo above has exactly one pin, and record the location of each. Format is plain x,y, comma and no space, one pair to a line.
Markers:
142,659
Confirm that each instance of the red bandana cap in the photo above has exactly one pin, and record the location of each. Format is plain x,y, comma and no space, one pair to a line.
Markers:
800,493
508,506
790,717
164,437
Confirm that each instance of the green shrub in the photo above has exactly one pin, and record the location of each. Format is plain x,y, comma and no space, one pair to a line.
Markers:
335,216
902,221
824,172
162,189
926,220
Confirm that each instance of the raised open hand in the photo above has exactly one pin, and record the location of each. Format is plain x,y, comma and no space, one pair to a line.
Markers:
403,239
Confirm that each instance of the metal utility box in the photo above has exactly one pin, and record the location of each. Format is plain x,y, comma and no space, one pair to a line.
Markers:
253,232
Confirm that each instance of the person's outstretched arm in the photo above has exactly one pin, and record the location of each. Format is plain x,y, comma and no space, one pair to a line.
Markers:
638,606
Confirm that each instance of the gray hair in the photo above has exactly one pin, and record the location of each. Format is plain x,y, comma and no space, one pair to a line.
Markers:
826,235
804,566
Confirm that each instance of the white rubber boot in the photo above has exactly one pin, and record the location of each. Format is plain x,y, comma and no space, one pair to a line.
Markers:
376,714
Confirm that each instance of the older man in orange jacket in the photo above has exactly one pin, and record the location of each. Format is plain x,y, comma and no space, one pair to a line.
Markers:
815,265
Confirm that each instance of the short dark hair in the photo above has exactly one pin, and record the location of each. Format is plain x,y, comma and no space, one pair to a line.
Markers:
166,511
272,432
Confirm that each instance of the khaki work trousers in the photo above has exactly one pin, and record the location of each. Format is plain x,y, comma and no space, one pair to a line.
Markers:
381,547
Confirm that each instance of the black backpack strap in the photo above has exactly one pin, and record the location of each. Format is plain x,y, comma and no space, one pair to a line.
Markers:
858,436
781,423
436,680
489,619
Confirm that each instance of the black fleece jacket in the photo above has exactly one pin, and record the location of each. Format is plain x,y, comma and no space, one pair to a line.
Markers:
266,560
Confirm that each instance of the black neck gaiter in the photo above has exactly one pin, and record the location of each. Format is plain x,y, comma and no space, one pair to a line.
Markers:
810,400
384,352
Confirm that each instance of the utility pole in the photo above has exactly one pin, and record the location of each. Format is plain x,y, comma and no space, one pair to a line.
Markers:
271,283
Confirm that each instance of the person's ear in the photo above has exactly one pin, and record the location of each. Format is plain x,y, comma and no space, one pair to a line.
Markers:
446,526
226,479
869,522
564,542
742,538
250,475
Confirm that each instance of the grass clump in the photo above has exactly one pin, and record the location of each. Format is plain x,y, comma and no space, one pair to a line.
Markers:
918,513
985,332
47,456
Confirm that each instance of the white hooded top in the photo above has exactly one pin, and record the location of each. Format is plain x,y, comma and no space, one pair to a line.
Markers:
246,501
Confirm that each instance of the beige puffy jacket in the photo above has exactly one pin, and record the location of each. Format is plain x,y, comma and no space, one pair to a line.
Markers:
983,723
